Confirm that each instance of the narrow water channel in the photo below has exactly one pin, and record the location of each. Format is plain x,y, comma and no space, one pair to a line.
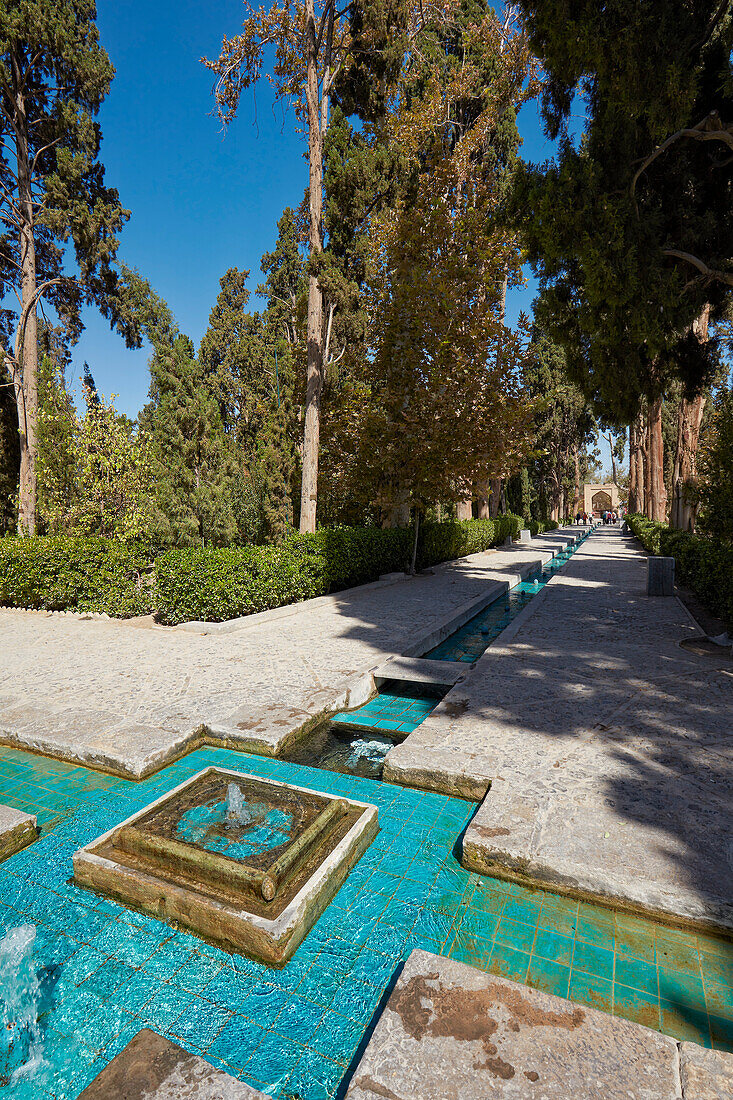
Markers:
356,742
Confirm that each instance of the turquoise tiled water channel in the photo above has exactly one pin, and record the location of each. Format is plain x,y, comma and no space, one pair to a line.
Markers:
468,643
106,972
393,711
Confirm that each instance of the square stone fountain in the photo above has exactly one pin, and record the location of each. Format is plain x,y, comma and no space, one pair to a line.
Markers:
246,863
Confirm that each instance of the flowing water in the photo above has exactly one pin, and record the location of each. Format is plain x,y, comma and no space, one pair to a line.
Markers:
21,1046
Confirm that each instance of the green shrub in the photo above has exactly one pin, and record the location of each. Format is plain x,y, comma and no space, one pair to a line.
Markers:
213,585
538,526
357,555
97,574
702,564
61,572
224,583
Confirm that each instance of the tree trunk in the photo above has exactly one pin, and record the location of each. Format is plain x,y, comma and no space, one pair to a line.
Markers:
314,375
414,542
26,345
576,488
632,501
464,509
657,495
637,451
495,499
484,492
683,511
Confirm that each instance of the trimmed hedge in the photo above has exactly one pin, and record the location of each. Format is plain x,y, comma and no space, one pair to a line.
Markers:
95,574
213,585
62,572
701,564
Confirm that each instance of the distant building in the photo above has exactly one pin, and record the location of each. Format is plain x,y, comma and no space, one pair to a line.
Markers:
600,498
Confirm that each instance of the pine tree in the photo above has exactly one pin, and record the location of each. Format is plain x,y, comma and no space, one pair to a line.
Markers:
54,76
192,458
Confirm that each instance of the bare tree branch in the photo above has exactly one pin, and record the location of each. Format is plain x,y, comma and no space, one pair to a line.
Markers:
710,273
710,128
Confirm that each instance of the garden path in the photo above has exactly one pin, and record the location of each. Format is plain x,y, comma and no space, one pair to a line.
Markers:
609,749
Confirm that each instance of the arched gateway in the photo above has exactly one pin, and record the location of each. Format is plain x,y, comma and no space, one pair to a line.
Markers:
600,498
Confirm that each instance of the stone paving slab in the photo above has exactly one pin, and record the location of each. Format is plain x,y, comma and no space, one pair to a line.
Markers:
705,1074
129,696
420,671
451,1032
17,830
607,747
153,1068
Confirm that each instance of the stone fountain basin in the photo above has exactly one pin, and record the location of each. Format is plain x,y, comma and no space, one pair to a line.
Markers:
261,903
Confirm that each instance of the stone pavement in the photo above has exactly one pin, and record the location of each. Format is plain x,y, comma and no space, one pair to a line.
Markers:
451,1032
129,696
153,1068
607,747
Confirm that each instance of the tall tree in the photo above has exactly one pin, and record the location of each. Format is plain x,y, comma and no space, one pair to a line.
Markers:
248,363
58,433
53,77
563,425
437,404
9,453
314,45
629,227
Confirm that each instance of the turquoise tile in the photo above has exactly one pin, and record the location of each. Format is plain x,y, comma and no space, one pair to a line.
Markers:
515,934
198,1025
593,960
274,1060
639,1006
678,988
553,946
509,963
236,1042
637,974
721,1030
549,976
591,990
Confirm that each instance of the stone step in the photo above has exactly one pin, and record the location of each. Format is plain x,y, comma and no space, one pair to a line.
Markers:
17,830
419,670
451,1032
152,1068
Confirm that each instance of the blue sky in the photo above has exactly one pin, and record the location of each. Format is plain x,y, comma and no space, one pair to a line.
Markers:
201,200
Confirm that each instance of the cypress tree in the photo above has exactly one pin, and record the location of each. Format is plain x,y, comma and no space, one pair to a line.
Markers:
9,453
629,228
248,362
193,460
53,75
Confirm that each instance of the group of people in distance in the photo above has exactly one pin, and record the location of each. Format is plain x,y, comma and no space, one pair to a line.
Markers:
588,517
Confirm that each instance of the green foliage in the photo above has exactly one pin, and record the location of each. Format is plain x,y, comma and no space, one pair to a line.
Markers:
247,363
55,76
608,225
9,454
224,583
702,564
715,465
60,573
191,458
94,473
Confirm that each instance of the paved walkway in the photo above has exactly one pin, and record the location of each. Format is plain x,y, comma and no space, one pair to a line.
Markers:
128,696
606,745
